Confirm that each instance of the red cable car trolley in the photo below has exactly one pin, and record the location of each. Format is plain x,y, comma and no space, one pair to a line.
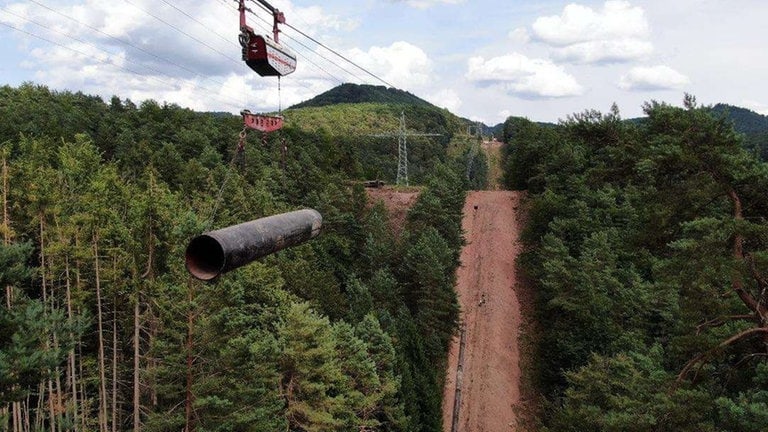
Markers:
264,55
267,58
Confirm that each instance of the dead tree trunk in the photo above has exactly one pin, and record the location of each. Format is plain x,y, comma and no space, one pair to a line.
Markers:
102,373
44,288
71,370
114,365
189,400
136,368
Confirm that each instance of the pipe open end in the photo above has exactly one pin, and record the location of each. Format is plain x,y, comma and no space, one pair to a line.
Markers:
205,258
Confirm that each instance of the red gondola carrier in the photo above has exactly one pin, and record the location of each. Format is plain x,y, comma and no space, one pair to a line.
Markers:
264,55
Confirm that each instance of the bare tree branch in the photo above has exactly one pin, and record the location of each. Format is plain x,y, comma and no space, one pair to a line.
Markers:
720,321
738,253
705,355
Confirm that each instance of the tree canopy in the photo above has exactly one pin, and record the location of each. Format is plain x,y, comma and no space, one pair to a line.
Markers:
101,327
649,244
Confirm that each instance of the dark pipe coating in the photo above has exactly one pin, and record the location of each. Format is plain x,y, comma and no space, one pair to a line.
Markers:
213,253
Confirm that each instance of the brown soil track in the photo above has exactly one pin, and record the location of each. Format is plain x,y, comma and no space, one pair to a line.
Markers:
397,202
487,287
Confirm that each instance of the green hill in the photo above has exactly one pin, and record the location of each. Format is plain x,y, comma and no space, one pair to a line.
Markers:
366,109
364,121
375,118
353,109
744,120
360,93
753,125
368,133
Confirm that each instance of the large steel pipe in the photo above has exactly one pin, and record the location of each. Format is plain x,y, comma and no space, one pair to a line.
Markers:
216,252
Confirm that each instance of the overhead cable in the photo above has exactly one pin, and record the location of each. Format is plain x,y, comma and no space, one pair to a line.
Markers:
333,77
127,43
329,49
105,62
338,54
182,31
199,22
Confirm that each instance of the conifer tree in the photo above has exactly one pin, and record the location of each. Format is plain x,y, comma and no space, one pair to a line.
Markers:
311,376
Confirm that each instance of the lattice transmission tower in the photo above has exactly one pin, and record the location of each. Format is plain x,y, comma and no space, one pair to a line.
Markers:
402,135
475,133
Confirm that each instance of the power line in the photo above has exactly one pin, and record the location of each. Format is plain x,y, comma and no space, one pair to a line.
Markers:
339,55
182,31
125,42
198,21
327,48
268,10
321,56
402,148
49,29
105,62
333,77
180,66
145,51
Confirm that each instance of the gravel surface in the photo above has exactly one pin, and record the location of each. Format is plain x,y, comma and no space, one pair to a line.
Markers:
491,316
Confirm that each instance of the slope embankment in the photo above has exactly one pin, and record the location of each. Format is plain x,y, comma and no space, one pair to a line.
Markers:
488,373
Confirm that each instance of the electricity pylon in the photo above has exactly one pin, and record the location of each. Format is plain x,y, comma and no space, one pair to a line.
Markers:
474,131
402,149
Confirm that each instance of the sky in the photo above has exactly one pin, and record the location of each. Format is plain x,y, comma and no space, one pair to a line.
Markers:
481,59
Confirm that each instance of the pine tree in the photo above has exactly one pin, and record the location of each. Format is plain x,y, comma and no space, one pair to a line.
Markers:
311,376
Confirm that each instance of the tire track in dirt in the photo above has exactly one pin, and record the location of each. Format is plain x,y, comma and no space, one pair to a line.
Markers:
486,286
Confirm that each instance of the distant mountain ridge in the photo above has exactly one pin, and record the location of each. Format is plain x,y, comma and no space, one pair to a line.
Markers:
753,125
361,93
368,94
745,120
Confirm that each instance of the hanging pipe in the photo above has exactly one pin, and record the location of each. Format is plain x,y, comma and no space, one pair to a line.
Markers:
213,253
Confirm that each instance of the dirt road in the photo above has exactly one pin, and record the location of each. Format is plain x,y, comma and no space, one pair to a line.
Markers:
486,286
493,152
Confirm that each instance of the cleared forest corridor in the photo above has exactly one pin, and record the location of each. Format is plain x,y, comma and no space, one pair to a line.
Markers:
486,286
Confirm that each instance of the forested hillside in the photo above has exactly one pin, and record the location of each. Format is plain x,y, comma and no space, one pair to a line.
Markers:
358,93
649,246
102,329
371,130
754,126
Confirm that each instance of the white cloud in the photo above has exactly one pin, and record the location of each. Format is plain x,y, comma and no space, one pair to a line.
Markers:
426,4
653,78
147,49
617,33
314,19
400,64
520,34
523,76
578,23
446,98
15,13
613,51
